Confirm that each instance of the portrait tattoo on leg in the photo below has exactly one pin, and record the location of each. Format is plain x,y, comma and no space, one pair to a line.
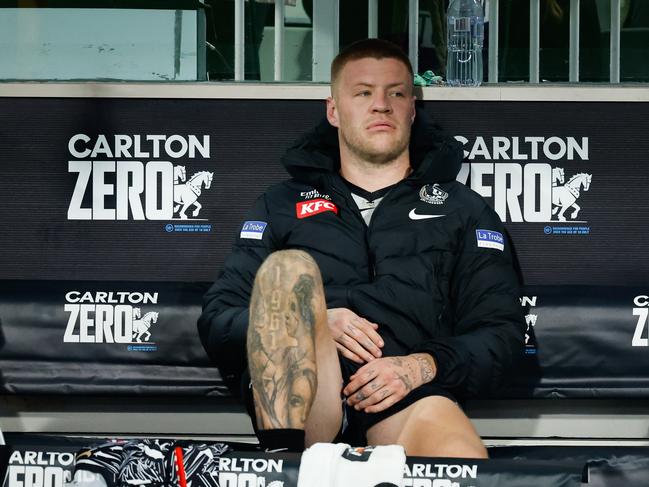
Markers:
281,343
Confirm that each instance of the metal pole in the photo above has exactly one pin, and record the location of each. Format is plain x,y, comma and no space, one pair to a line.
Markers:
325,38
239,40
574,42
535,39
279,39
493,41
178,35
372,18
413,34
615,41
201,48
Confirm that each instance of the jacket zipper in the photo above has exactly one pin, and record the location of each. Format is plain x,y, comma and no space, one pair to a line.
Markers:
368,230
346,196
371,262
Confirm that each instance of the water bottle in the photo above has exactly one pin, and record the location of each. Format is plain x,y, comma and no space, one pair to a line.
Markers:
465,23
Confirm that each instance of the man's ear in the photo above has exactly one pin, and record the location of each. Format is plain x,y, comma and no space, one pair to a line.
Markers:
332,113
414,111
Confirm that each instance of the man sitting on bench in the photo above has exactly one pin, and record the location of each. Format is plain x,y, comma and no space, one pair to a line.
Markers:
372,277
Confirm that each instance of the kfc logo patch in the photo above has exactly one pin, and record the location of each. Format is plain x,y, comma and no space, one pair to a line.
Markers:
308,208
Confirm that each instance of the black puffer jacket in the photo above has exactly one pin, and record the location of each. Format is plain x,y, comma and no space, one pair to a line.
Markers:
443,284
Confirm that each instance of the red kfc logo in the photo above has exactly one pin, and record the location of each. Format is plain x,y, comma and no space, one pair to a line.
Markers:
304,209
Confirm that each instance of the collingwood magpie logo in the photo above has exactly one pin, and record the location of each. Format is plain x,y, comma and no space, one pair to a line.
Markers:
530,191
128,177
433,194
111,317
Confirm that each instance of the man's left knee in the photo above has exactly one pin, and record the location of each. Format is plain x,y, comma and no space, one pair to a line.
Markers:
438,427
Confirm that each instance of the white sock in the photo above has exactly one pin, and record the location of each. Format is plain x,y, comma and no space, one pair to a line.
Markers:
318,464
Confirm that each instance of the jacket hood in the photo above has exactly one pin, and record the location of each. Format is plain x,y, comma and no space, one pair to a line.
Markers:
434,155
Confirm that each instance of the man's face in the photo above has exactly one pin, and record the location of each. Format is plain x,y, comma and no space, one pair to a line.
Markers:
373,108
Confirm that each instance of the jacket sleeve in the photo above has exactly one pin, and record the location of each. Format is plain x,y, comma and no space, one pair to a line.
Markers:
488,320
223,323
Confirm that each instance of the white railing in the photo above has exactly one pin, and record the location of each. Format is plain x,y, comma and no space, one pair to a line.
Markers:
239,40
615,41
325,38
535,40
573,45
493,42
413,34
279,40
372,19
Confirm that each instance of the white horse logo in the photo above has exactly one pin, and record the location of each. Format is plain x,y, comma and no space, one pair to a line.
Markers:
180,176
187,193
141,326
564,197
530,320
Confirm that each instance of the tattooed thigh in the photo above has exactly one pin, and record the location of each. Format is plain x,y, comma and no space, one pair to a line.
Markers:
281,348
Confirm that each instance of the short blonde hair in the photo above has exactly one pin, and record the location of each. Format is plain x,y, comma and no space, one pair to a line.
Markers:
368,48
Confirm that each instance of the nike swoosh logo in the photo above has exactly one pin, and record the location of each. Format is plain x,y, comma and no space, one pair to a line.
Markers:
414,216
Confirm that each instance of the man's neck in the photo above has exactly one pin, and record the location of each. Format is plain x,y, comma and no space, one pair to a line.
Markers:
372,177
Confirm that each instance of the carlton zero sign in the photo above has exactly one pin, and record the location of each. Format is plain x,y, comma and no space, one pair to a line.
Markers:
111,317
39,468
132,177
523,186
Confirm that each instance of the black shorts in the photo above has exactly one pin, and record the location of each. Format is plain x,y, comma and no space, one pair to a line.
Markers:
361,421
356,423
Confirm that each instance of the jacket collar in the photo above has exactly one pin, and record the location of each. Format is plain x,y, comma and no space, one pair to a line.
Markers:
435,156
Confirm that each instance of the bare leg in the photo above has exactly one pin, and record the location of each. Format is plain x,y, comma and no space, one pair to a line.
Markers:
293,363
434,426
326,415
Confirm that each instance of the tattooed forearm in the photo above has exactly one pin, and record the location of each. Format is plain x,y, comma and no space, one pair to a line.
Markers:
281,349
404,371
406,381
398,361
426,366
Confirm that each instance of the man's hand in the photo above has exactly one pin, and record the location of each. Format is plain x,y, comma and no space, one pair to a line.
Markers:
355,337
381,383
